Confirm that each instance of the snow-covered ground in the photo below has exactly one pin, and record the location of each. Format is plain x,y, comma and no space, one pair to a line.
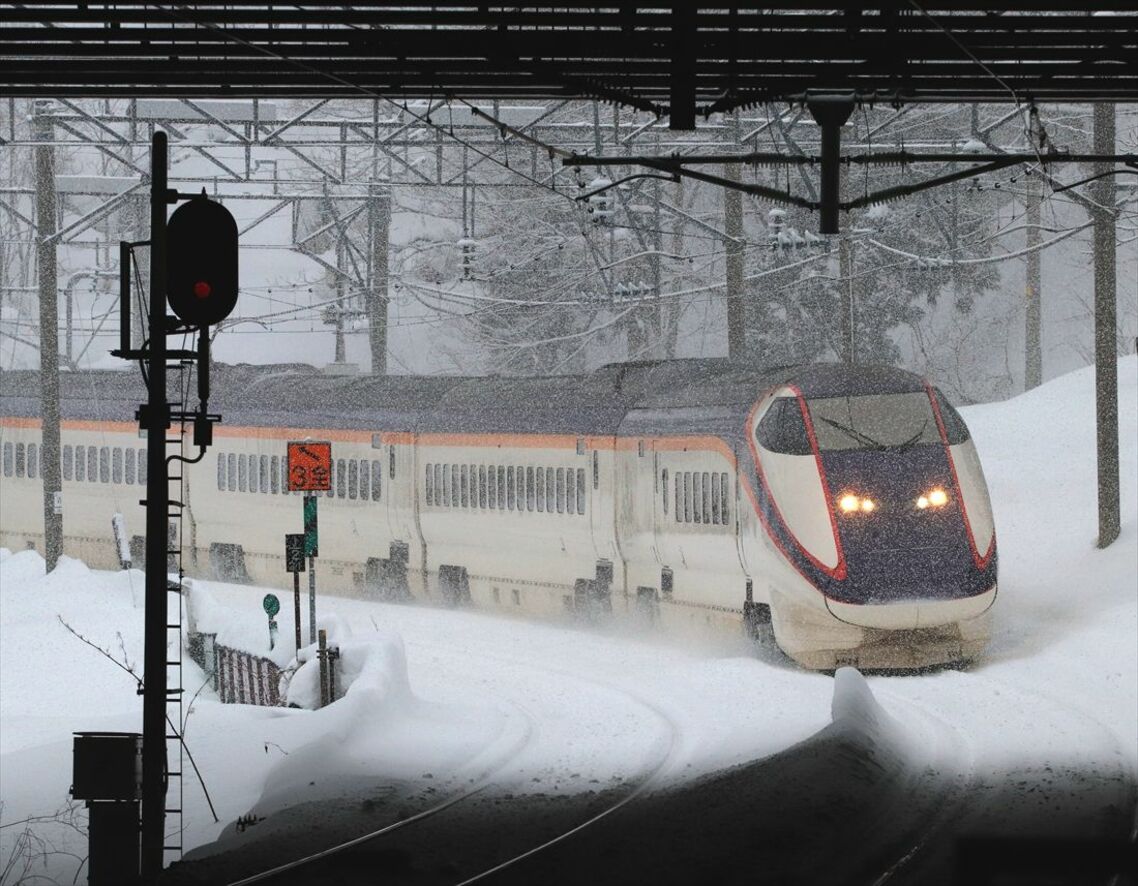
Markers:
440,699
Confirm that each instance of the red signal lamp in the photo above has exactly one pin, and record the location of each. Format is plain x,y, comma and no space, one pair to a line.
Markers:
202,289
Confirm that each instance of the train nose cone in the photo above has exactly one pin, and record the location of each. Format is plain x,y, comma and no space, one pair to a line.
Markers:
900,551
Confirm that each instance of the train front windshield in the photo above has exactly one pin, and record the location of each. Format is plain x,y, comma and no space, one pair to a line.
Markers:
876,421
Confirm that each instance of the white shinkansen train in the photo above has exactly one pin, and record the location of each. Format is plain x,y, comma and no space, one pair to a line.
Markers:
841,508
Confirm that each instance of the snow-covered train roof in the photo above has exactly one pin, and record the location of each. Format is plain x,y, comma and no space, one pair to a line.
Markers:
675,396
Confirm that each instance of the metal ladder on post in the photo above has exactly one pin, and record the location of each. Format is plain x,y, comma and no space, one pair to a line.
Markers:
173,841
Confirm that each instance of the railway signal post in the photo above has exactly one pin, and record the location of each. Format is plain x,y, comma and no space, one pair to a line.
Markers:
193,263
309,471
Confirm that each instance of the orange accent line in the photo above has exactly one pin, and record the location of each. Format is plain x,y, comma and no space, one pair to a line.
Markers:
520,441
293,434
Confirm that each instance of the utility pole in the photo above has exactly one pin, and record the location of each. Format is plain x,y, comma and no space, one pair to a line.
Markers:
1106,338
1033,333
47,271
845,273
379,212
733,227
156,421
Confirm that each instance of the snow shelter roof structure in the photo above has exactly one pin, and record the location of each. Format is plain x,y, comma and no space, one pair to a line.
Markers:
675,60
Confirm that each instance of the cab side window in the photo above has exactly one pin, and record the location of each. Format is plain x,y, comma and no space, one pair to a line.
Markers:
783,430
954,428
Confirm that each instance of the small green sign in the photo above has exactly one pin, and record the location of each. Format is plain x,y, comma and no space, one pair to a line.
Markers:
272,604
311,544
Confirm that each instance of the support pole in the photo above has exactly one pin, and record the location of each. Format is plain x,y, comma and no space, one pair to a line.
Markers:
733,227
377,294
156,421
1033,308
311,599
296,606
1106,337
845,272
831,111
47,271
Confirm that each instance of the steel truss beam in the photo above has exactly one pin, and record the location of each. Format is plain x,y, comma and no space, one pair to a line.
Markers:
672,61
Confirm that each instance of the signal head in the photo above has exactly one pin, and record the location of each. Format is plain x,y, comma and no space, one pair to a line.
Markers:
201,262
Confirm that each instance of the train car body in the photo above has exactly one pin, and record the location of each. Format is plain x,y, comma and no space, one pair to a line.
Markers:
843,507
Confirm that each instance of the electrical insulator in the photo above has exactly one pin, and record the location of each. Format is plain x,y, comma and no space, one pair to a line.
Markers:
469,257
600,205
776,221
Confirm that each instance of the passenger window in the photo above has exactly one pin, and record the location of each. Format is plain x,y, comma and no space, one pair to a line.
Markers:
429,484
596,471
365,480
697,497
455,487
92,464
706,497
664,487
570,491
439,490
21,460
377,480
954,428
492,490
531,491
80,462
143,467
715,499
464,486
391,460
341,479
242,473
540,490
275,475
679,496
561,490
332,472
446,485
501,488
724,509
105,464
550,491
482,487
116,465
33,465
688,509
232,474
580,490
9,462
782,429
130,467
521,475
353,479
221,471
510,488
68,462
264,474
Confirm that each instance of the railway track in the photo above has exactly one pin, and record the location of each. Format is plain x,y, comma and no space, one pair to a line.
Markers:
483,780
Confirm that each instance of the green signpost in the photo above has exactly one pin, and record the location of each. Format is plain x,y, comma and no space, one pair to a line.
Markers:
271,606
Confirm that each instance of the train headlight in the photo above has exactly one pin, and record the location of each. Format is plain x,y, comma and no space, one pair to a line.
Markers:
851,504
934,498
